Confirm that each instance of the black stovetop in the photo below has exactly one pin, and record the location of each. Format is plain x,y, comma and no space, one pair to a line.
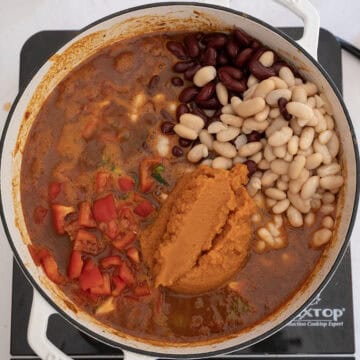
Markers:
325,327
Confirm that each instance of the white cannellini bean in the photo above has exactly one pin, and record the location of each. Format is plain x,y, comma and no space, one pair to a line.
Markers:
288,157
310,88
323,150
280,137
287,75
264,88
321,237
309,188
276,124
294,216
311,102
207,162
206,139
279,166
267,58
250,148
295,126
273,97
330,169
273,229
321,121
296,167
279,83
299,110
268,153
327,104
250,107
295,185
328,222
222,93
282,185
238,160
252,80
293,145
328,198
306,138
263,164
227,135
204,75
240,141
309,219
235,101
225,149
185,132
248,94
315,204
331,182
325,136
279,151
231,119
281,206
306,152
313,161
274,113
262,115
302,205
275,194
319,101
216,127
265,235
333,145
327,209
227,109
330,123
298,81
256,157
299,94
192,121
252,125
221,162
198,152
269,178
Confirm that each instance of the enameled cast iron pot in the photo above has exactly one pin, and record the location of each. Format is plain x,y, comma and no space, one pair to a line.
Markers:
165,17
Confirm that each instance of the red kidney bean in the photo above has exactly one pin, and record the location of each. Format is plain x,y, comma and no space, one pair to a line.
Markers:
182,66
260,71
197,111
255,44
222,59
167,128
217,113
208,57
177,151
231,83
232,48
212,104
252,167
176,81
188,94
206,92
181,109
192,45
254,136
177,49
166,115
189,74
232,71
217,41
153,83
282,107
242,37
278,65
243,57
184,142
258,53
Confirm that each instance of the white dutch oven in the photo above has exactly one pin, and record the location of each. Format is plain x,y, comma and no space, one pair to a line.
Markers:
165,17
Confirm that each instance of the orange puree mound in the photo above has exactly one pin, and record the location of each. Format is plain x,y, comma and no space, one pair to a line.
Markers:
202,234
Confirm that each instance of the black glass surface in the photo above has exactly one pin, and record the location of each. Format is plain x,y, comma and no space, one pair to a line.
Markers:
325,327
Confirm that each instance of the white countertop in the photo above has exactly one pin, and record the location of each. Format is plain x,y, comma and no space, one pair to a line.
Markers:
19,19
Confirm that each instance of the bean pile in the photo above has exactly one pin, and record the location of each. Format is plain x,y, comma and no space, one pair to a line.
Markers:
242,104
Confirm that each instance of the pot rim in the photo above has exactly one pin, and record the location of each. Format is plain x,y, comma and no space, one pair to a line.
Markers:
275,329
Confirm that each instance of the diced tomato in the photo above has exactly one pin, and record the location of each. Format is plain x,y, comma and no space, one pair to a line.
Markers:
102,181
59,212
39,214
146,165
124,239
104,209
119,285
126,183
127,219
142,290
126,274
76,264
104,289
38,253
85,215
90,276
51,269
111,228
86,241
109,261
53,190
72,229
133,254
144,209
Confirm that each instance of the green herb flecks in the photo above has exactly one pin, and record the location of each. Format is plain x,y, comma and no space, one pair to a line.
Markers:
156,174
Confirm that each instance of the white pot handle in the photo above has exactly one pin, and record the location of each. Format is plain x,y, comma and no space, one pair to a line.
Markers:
36,334
310,16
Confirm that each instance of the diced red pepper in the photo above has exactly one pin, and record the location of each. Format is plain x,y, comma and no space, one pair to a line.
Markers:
85,215
53,190
126,274
144,209
126,183
90,276
104,209
119,285
102,181
51,269
38,253
146,165
111,228
86,241
124,240
109,261
39,214
59,212
133,254
127,219
76,264
142,290
104,289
